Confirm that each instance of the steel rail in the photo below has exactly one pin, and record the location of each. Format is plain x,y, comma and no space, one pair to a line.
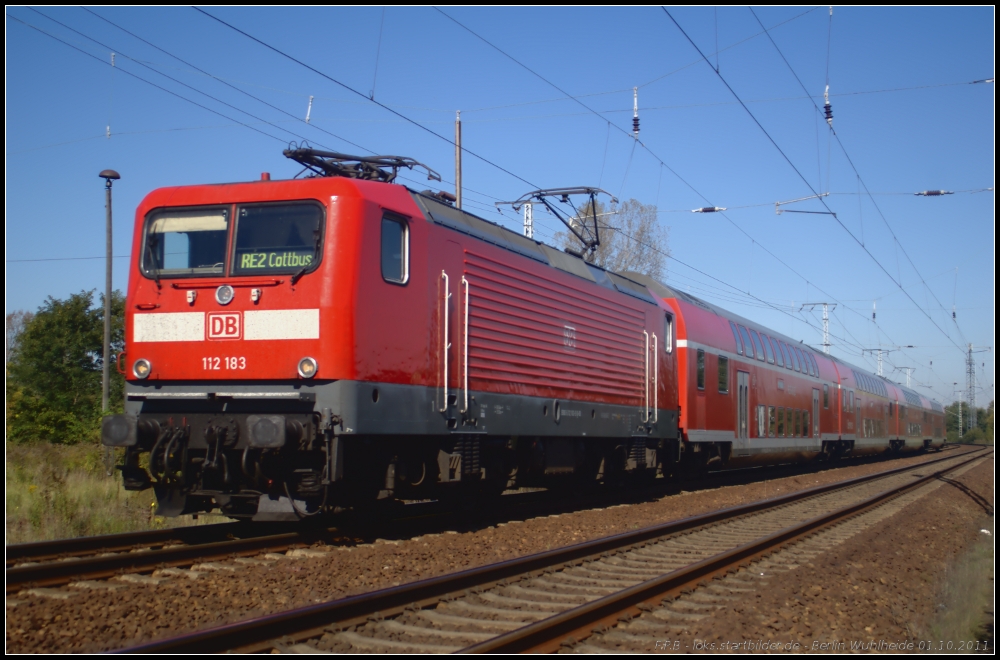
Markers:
91,568
255,634
61,548
548,635
66,551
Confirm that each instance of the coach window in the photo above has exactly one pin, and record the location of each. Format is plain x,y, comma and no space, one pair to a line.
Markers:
795,359
736,336
747,344
185,242
800,360
277,238
395,250
814,368
796,429
770,421
781,422
805,423
756,345
809,363
777,352
701,369
787,353
723,374
668,333
767,348
826,396
761,422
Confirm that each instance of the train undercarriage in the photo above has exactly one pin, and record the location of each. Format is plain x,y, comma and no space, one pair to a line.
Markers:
293,466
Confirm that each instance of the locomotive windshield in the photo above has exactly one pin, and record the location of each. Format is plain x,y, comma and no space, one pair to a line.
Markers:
186,242
268,239
277,238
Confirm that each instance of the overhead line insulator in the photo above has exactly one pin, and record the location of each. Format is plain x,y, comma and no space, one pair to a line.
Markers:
635,112
827,108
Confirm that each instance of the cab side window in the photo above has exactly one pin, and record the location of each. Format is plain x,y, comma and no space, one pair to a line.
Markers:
395,250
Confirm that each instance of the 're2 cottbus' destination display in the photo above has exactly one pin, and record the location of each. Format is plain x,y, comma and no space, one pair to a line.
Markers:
302,346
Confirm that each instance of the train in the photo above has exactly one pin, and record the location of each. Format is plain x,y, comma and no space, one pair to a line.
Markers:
303,346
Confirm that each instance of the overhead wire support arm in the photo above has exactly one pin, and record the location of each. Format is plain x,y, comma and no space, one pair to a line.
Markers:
578,225
778,210
369,168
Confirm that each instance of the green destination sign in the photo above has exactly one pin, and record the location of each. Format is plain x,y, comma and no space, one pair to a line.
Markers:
287,259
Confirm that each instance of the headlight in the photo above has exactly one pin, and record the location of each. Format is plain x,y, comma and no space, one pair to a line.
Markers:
307,367
141,368
224,294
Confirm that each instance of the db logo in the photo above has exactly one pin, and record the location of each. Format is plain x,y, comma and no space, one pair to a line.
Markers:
225,325
569,337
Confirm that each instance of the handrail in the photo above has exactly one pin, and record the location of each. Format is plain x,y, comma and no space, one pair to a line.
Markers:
465,348
444,378
645,392
656,381
236,284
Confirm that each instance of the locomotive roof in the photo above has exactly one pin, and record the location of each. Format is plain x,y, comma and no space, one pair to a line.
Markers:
634,284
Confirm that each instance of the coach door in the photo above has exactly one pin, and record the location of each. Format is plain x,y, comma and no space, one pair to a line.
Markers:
743,410
815,413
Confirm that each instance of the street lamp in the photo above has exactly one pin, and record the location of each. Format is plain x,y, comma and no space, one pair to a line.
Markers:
108,176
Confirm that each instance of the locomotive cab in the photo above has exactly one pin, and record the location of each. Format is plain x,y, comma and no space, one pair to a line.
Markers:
223,345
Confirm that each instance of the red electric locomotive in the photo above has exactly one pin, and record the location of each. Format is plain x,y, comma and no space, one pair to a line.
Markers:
297,346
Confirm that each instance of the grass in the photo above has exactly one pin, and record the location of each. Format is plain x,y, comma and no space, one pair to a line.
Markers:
966,598
61,491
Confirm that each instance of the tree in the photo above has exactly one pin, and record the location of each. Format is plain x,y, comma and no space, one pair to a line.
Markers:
982,432
54,370
632,238
16,323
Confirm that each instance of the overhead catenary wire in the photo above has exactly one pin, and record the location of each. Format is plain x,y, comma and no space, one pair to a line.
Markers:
148,82
850,161
806,181
224,82
217,100
646,147
378,52
204,72
354,91
235,122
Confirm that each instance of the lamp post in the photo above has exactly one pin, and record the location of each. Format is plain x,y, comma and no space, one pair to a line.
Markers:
108,176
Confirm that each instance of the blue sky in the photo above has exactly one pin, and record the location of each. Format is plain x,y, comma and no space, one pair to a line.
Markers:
546,94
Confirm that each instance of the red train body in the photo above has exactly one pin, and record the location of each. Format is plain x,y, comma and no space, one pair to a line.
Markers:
297,346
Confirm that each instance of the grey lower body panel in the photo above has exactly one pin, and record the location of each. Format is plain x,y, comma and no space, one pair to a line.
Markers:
381,409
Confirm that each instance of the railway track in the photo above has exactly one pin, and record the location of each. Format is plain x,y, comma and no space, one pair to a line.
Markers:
590,596
55,563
